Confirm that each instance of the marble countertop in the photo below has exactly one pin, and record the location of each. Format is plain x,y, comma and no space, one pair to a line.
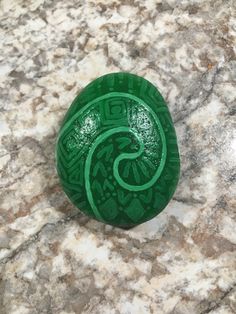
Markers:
54,259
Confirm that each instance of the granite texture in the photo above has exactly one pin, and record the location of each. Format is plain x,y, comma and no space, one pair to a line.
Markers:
54,259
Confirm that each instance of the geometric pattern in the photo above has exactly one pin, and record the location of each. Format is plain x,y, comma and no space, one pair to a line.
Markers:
117,154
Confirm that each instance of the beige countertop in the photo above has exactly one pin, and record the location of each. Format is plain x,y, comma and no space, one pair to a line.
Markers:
54,259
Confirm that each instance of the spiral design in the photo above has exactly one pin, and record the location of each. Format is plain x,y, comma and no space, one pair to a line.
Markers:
117,155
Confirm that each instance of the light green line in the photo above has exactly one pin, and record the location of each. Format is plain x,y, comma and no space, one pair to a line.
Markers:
98,140
108,95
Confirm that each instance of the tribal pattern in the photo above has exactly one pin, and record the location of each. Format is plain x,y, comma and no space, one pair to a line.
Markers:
117,154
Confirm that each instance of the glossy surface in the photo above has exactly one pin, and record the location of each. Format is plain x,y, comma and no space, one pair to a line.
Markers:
117,155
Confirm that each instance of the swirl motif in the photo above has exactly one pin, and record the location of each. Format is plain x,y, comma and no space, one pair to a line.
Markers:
117,155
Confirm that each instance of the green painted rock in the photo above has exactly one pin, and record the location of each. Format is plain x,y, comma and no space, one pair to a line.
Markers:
117,153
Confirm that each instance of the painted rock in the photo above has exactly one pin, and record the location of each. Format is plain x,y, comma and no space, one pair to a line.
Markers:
117,154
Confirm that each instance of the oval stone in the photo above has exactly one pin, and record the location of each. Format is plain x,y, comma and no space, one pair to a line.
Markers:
117,155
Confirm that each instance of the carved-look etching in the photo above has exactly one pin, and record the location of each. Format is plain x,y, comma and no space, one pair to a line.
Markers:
117,155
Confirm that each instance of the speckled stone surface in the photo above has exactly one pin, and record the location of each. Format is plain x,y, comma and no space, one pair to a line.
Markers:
52,258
